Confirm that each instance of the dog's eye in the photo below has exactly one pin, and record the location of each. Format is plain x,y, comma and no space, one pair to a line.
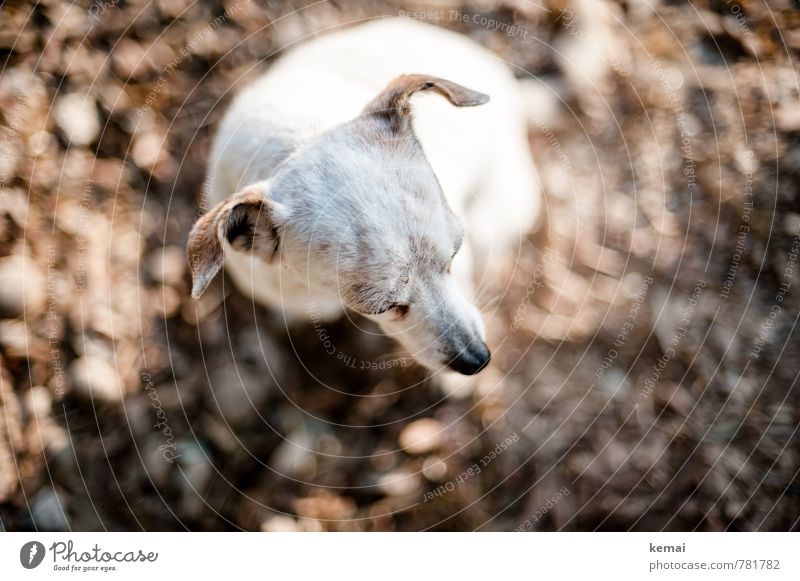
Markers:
453,256
450,263
398,311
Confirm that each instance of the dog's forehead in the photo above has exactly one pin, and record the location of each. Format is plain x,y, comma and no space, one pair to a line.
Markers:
417,225
346,181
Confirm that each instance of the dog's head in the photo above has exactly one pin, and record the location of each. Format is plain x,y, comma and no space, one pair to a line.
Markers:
358,213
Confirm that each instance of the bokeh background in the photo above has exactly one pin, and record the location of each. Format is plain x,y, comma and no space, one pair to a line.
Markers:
645,344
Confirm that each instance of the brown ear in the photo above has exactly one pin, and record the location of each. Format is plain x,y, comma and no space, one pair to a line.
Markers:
393,103
246,220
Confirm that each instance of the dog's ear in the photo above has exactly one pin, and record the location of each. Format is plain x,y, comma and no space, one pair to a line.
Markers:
394,103
247,220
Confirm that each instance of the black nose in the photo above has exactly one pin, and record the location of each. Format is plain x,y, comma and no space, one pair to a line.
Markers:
471,359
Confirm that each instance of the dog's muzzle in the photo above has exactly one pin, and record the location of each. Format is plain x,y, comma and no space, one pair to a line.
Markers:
472,359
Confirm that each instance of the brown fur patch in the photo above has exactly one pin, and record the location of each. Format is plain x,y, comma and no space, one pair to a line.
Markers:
393,104
244,220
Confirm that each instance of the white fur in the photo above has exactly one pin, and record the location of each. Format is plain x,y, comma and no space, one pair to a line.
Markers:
479,154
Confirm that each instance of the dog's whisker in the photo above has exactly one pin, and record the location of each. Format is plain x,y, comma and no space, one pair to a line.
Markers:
399,355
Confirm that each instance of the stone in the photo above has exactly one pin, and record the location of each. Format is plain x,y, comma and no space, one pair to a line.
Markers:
279,524
421,436
22,287
95,378
76,116
48,512
399,482
167,265
38,401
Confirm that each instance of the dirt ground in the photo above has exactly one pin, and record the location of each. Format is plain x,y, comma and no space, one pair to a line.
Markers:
645,345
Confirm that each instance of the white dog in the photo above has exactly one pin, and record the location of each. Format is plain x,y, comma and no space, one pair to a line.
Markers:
366,171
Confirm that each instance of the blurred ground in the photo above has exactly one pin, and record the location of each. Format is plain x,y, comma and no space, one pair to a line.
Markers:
645,349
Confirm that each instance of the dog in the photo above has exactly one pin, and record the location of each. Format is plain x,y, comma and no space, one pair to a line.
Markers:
382,169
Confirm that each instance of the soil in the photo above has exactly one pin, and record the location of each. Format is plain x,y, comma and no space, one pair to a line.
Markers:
645,344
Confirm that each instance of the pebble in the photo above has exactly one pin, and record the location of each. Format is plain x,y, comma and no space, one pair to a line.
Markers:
147,150
399,482
615,382
167,265
128,60
293,457
76,116
791,224
421,436
166,301
39,401
15,339
238,392
434,469
279,524
48,511
22,287
95,378
196,467
787,118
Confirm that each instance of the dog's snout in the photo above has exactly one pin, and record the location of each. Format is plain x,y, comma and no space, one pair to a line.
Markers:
471,359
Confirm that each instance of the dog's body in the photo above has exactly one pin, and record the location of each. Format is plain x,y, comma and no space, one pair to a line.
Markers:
341,188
